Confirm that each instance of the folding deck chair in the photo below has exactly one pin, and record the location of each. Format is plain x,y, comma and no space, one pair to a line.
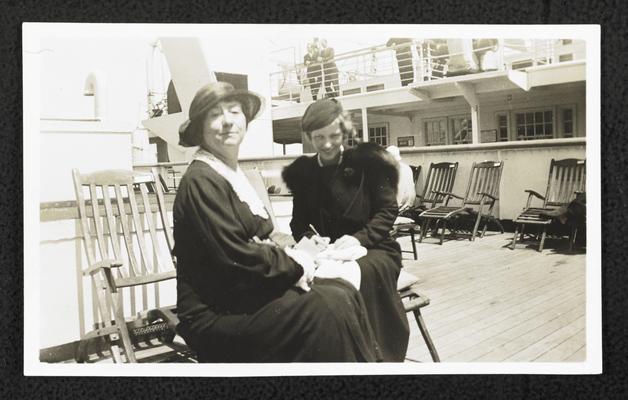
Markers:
482,190
440,178
128,246
567,178
404,226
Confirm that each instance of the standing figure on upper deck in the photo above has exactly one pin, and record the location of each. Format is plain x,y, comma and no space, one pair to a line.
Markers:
403,53
330,70
314,73
350,197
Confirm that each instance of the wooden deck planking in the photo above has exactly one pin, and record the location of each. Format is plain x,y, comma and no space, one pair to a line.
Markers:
578,355
489,302
457,338
494,288
565,349
550,341
527,329
488,339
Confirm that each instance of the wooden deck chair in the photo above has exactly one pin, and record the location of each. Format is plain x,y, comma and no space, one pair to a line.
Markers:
403,225
128,246
440,179
412,299
482,191
566,179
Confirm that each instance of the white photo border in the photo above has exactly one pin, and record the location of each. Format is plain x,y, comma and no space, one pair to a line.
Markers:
32,32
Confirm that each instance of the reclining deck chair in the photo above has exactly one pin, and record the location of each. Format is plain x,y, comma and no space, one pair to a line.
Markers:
440,179
567,178
403,225
128,263
412,299
482,190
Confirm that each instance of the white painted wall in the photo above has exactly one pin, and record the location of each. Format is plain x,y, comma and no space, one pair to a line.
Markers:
66,62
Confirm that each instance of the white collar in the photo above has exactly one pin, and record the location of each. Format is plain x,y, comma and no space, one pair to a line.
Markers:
320,163
238,181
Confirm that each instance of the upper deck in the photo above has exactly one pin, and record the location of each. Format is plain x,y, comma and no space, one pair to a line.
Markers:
436,74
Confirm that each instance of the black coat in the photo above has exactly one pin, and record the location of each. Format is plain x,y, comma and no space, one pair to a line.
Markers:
363,191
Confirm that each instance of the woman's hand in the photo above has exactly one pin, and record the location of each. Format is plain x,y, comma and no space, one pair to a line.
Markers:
346,242
282,240
321,242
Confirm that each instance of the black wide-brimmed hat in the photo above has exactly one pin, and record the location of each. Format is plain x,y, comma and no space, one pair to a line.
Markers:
206,98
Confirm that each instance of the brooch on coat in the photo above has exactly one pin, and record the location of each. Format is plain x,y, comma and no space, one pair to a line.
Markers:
348,172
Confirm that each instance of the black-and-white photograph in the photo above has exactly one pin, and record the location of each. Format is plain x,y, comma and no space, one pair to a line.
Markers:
209,199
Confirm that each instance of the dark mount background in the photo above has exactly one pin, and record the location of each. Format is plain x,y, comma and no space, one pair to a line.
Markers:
614,143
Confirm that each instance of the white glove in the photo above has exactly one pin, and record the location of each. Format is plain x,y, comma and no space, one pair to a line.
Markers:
348,254
333,269
309,266
346,242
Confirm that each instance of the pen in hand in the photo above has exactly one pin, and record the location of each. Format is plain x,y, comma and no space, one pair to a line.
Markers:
314,230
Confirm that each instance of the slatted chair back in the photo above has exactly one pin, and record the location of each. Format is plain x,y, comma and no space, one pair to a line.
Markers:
485,177
119,223
440,178
566,177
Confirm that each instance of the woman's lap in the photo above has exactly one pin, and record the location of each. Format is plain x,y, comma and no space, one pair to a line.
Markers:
326,324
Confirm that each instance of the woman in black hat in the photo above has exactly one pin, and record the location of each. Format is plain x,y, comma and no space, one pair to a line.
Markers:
350,197
240,299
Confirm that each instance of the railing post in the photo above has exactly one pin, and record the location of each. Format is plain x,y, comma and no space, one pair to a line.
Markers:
500,54
365,126
323,80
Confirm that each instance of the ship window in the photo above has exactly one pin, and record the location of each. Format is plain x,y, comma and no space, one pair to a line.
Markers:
502,127
568,121
377,134
460,128
435,131
565,57
538,124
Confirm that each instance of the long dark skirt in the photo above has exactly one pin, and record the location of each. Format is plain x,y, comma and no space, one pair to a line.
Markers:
326,324
380,271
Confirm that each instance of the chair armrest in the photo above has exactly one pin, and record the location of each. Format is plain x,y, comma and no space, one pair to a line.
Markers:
101,265
488,195
447,194
534,193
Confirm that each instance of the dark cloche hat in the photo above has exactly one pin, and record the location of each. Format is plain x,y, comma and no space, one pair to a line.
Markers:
206,98
320,114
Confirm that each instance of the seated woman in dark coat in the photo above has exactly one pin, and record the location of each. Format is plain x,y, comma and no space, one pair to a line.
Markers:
239,298
350,197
